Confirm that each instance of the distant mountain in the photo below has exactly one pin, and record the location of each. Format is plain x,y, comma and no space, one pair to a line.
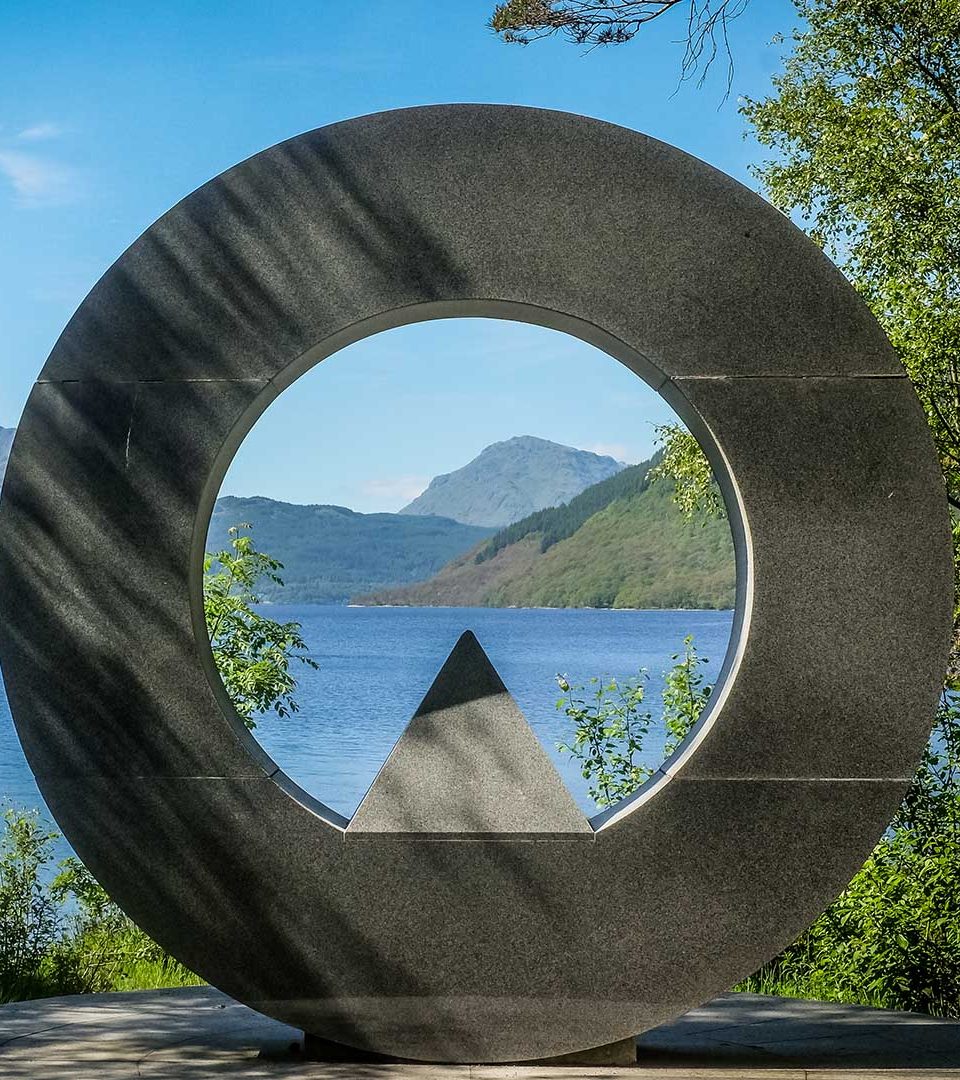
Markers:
330,553
509,480
622,544
6,441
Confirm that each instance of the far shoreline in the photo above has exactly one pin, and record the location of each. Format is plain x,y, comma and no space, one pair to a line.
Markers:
474,607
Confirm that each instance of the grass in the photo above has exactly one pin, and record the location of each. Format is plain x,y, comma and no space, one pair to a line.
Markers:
156,975
815,988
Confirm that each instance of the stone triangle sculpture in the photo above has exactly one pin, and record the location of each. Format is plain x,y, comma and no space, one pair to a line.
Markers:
468,765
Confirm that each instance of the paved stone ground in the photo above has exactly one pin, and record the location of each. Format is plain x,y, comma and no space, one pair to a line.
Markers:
197,1033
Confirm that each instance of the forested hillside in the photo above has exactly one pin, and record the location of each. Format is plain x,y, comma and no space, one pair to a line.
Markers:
329,552
557,523
635,551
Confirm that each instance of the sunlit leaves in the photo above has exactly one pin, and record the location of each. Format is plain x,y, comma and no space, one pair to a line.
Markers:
253,653
685,465
611,729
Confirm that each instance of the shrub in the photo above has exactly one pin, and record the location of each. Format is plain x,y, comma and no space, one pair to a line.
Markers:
64,935
610,729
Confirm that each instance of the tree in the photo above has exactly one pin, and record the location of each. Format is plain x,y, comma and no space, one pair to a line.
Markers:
892,938
62,934
28,913
683,464
610,728
865,125
865,128
613,22
253,653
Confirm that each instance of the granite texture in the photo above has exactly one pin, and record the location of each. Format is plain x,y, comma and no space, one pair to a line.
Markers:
100,531
474,945
850,575
470,203
479,949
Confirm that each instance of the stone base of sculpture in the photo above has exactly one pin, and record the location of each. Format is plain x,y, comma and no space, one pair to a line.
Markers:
315,1048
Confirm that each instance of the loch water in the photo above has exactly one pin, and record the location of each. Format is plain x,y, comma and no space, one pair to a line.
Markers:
377,663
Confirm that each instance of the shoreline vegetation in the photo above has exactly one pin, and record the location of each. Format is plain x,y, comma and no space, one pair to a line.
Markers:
532,607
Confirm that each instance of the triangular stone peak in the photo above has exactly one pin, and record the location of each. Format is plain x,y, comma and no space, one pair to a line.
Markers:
469,766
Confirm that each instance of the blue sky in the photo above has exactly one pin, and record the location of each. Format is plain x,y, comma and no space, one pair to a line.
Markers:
111,113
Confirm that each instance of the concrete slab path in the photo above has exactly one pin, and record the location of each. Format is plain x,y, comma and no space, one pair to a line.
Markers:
197,1033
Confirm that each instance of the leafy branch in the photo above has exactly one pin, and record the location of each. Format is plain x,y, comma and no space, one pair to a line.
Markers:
253,653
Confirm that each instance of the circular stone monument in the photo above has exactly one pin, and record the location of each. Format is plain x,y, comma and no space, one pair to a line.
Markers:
503,925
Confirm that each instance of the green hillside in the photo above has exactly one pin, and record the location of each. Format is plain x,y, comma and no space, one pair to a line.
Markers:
557,523
634,551
329,552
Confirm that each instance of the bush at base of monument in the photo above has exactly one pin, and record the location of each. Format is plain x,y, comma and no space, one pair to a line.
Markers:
65,935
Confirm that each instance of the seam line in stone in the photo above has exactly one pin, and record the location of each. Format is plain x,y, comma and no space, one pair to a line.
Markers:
255,380
785,376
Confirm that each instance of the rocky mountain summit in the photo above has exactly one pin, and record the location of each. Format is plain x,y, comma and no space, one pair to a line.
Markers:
512,479
6,441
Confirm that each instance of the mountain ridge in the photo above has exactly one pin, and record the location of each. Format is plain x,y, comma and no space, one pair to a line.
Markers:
6,443
620,542
511,479
633,551
331,552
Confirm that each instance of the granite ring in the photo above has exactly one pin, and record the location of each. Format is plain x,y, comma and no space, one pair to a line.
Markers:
526,940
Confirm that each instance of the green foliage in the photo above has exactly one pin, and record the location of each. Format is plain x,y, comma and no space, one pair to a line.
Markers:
865,126
28,913
253,653
637,552
64,935
556,523
684,695
892,939
608,733
610,728
684,465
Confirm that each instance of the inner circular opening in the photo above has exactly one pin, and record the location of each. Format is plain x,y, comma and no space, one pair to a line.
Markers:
470,474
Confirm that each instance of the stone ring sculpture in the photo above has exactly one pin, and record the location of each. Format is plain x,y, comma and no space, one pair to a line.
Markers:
498,925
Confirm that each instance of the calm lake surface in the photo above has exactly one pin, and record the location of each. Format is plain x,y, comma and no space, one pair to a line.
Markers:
377,663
